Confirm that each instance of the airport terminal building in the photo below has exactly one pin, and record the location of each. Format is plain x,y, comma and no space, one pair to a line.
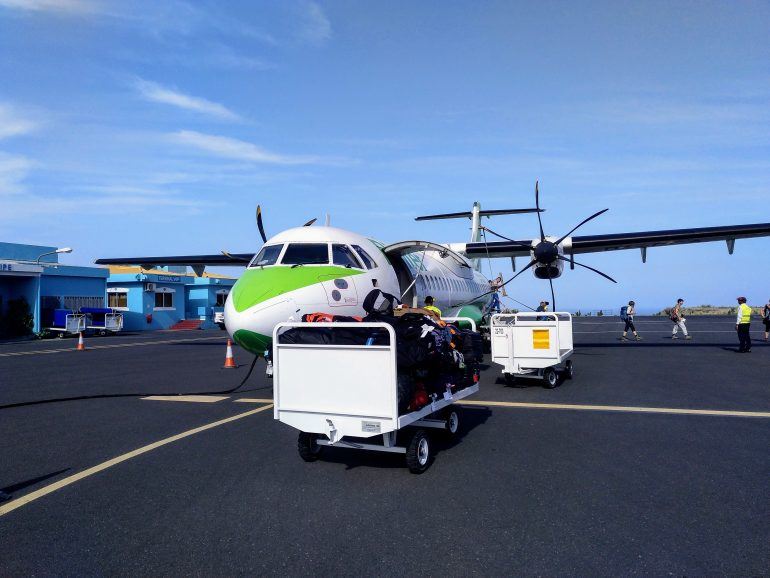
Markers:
148,300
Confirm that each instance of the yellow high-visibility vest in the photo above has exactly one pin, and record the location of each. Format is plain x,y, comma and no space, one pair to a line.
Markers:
433,308
745,312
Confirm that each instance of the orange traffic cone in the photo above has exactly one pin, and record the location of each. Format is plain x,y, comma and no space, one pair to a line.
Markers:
81,346
229,359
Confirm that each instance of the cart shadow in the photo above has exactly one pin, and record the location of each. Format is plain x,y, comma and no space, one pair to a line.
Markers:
470,419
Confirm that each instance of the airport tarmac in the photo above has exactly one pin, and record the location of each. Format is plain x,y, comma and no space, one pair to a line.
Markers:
654,459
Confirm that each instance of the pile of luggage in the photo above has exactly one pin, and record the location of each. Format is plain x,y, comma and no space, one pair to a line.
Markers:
433,357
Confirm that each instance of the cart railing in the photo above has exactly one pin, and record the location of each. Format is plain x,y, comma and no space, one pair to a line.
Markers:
535,330
336,389
464,319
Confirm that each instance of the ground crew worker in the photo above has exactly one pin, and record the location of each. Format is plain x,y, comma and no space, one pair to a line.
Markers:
494,286
766,318
542,307
742,322
431,307
677,316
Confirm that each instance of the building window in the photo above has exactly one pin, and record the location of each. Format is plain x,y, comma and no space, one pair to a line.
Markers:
221,298
117,300
164,300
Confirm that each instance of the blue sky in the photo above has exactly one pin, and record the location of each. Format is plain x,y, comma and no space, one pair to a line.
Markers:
155,127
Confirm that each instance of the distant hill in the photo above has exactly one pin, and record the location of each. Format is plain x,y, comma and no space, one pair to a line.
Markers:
711,310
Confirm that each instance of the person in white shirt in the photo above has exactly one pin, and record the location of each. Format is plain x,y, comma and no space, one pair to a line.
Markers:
630,312
677,316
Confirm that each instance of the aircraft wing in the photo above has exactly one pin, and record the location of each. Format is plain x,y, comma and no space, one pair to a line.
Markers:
619,241
222,259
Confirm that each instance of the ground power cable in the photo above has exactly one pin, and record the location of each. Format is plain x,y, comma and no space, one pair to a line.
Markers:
145,394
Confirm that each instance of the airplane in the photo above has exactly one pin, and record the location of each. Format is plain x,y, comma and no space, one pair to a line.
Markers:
310,268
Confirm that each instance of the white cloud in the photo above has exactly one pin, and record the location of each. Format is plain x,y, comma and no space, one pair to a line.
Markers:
13,171
232,148
12,123
71,6
315,27
156,93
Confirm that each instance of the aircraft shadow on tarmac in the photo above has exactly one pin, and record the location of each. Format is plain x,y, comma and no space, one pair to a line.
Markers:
31,482
352,458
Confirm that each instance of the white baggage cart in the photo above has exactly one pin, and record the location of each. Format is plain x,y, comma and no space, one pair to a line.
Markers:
532,345
332,393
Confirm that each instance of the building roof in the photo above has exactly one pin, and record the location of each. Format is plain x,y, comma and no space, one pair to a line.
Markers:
125,269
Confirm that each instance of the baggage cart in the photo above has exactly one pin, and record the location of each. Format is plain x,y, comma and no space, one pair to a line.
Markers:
347,396
532,345
67,322
102,320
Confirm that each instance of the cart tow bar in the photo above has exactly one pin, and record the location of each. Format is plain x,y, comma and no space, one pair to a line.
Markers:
332,432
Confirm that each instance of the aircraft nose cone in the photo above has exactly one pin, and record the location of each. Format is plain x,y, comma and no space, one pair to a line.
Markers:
546,252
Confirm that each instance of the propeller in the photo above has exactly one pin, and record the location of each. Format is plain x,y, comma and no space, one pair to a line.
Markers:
260,226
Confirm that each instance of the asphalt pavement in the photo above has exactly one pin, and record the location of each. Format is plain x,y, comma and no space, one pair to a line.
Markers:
539,482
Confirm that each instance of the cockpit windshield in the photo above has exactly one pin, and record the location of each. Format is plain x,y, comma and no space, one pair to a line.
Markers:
267,256
306,254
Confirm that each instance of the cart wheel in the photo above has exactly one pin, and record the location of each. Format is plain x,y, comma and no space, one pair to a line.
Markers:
60,335
452,417
570,373
307,446
509,378
102,333
418,454
550,377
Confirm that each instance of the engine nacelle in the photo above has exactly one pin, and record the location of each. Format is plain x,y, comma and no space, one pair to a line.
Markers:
547,254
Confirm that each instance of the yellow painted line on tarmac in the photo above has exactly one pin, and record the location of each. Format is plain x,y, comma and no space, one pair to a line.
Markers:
37,494
111,346
187,398
252,400
620,408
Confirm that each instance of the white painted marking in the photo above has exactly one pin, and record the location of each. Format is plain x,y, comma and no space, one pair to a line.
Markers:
111,346
252,400
188,398
620,408
44,491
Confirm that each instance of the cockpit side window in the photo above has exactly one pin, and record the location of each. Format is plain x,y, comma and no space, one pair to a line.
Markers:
267,256
343,255
365,257
306,254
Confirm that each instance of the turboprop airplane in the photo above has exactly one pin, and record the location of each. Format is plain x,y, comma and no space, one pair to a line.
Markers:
322,268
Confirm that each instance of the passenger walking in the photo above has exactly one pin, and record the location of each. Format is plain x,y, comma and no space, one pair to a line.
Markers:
742,323
542,307
628,317
677,316
431,307
766,318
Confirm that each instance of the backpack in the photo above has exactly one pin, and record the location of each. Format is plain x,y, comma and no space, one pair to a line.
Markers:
624,313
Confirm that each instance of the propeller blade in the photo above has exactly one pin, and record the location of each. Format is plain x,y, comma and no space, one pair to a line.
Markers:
583,222
519,243
537,205
231,256
531,264
310,222
553,295
259,224
587,267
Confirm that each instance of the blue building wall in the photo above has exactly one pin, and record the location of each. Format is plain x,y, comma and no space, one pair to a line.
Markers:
47,282
193,298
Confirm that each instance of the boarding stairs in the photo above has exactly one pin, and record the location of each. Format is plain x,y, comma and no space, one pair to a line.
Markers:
186,325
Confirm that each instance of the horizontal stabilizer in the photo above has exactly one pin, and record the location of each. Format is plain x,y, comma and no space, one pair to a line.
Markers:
468,214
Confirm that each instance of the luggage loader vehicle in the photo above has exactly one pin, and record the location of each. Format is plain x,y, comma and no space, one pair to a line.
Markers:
346,395
532,345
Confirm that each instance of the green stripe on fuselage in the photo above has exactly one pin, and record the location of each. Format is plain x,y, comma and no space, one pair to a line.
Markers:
260,284
254,342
